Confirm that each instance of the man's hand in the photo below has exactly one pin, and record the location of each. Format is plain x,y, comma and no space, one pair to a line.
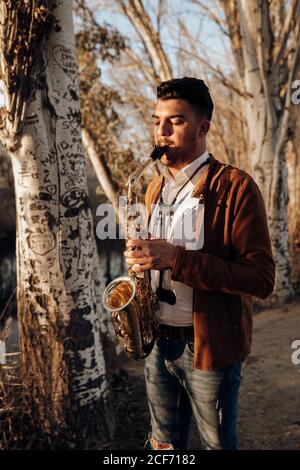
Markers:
149,254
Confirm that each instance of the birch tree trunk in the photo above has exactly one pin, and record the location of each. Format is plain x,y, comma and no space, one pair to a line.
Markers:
293,162
266,67
60,331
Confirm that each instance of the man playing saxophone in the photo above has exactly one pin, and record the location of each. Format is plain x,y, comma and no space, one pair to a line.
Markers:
208,254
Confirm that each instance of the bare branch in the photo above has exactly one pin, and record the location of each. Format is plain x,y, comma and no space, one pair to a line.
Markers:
233,20
100,170
135,11
159,13
137,30
291,17
267,39
215,18
148,72
288,101
216,71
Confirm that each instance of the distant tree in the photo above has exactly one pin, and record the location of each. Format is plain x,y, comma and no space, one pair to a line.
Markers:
265,38
293,162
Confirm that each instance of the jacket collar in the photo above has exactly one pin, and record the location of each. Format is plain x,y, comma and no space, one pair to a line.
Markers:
201,186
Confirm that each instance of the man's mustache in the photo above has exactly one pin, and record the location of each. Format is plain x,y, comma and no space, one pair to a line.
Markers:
164,144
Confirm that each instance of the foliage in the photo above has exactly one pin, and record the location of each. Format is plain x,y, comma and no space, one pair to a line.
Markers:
101,105
20,48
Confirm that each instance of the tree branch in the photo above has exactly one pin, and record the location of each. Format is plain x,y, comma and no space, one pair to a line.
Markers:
135,12
216,19
100,171
233,20
293,15
216,71
283,126
159,13
148,72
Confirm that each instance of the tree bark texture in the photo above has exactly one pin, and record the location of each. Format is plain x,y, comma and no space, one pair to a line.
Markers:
266,72
60,330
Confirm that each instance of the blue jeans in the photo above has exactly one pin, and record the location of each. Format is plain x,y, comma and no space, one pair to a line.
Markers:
175,390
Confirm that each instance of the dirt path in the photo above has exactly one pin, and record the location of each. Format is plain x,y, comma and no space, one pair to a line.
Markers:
270,394
269,416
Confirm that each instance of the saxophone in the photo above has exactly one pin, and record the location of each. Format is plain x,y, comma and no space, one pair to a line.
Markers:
130,299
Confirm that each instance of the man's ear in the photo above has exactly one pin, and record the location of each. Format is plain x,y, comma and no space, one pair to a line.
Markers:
204,127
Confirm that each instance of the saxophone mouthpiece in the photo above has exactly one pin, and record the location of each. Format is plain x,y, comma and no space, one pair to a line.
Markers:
157,152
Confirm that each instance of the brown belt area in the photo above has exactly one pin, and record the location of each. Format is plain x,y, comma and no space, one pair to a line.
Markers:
175,332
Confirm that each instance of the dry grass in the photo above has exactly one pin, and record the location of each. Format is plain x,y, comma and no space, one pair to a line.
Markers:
11,403
18,429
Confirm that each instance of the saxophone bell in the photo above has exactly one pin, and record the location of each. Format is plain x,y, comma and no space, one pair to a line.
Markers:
127,300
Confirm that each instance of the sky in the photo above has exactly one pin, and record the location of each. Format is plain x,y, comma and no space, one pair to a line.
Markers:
211,44
209,40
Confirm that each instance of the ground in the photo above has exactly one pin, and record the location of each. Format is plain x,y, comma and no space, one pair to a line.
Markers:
269,405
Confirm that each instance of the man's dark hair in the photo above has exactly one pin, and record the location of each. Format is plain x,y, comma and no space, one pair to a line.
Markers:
193,90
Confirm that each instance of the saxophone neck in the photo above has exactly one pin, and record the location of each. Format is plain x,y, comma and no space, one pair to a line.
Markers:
135,176
156,154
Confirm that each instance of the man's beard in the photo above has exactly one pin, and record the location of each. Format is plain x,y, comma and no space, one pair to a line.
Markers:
173,155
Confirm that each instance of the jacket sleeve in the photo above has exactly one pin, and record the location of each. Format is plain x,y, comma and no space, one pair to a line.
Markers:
253,270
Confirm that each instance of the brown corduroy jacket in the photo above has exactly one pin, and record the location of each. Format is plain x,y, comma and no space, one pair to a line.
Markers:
234,264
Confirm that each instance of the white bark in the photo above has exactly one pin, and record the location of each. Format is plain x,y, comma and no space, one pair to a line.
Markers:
267,112
60,332
293,163
100,171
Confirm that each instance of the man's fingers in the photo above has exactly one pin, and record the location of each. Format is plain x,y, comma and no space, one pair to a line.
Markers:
136,242
134,254
137,261
138,269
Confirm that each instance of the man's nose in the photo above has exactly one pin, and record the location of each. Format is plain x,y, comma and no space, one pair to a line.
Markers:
164,129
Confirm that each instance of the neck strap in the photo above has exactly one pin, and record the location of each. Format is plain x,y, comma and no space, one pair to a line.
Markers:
184,185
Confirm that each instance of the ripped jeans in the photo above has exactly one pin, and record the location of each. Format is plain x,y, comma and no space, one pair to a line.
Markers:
175,390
